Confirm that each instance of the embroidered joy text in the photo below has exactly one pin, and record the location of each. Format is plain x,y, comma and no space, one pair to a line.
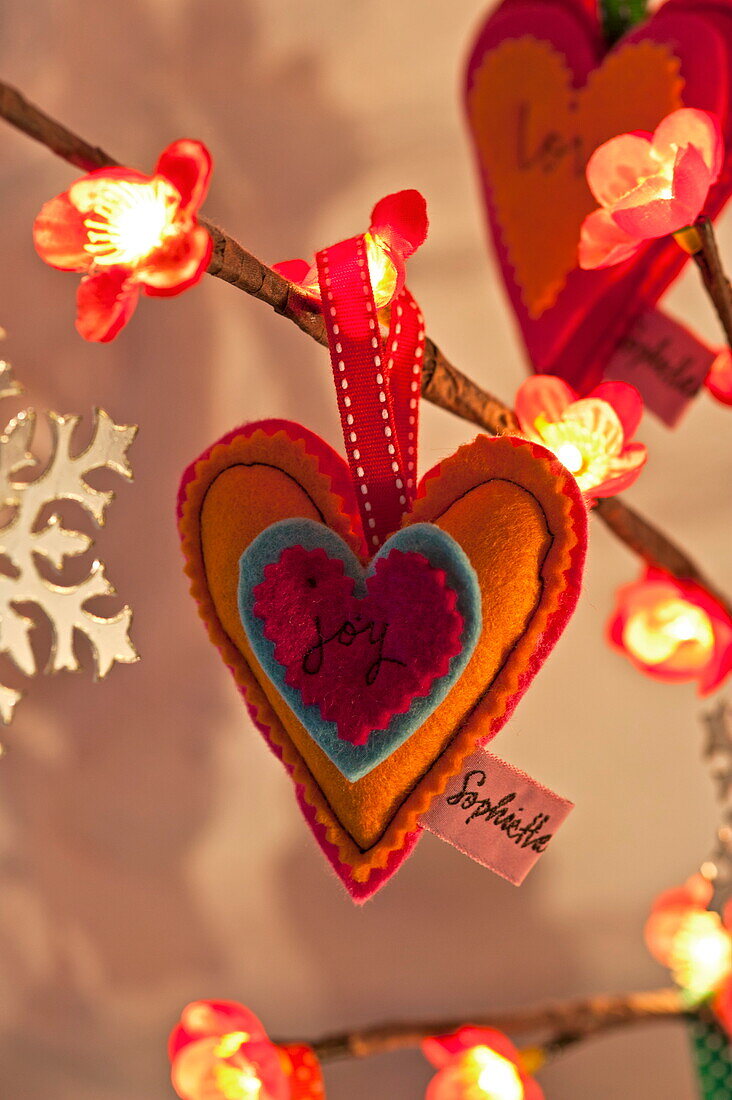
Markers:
345,635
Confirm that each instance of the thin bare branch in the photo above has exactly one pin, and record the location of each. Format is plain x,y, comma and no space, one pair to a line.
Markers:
699,240
561,1022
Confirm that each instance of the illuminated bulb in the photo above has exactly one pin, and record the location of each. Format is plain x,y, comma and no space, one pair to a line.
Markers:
495,1077
701,955
130,220
653,634
570,457
238,1084
382,270
666,163
580,441
230,1044
235,1076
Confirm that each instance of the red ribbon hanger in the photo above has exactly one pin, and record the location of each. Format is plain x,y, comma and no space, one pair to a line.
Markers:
377,381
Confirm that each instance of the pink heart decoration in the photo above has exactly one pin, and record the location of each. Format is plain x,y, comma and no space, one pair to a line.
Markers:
360,660
575,336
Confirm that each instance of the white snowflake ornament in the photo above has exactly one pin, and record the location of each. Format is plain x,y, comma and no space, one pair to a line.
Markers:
21,539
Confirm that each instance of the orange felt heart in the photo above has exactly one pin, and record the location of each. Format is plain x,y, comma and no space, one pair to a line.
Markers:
534,132
518,516
677,55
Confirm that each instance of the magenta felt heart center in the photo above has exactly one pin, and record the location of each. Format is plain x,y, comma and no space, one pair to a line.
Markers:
361,659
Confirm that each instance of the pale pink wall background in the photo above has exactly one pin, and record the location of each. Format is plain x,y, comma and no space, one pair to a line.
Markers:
151,848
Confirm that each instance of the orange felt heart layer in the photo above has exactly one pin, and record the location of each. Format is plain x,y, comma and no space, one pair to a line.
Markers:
534,131
520,519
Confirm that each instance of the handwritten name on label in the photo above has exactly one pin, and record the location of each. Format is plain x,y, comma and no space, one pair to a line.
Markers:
664,361
497,815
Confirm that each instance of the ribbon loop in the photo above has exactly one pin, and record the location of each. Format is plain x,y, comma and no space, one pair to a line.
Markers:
377,386
405,348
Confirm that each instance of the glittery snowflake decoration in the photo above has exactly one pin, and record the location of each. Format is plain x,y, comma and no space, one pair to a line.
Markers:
23,538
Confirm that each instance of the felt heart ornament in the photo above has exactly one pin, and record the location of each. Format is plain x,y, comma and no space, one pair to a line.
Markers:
362,658
542,92
508,506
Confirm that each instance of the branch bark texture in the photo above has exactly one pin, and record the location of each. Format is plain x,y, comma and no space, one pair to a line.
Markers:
562,1023
716,283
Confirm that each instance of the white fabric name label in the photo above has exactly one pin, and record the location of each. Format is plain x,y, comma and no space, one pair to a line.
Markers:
497,815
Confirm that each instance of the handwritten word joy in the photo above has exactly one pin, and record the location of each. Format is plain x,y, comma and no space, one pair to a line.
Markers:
374,634
500,814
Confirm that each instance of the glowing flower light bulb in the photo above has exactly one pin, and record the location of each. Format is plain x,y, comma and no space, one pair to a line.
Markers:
235,1076
701,955
220,1051
673,630
495,1077
398,228
590,436
654,633
688,938
129,234
649,185
571,457
478,1064
383,271
130,220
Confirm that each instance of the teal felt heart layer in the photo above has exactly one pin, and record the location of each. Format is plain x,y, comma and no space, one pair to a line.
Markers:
268,569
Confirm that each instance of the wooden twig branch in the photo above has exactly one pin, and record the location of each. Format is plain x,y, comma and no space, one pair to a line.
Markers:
16,110
560,1023
442,383
652,545
706,257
